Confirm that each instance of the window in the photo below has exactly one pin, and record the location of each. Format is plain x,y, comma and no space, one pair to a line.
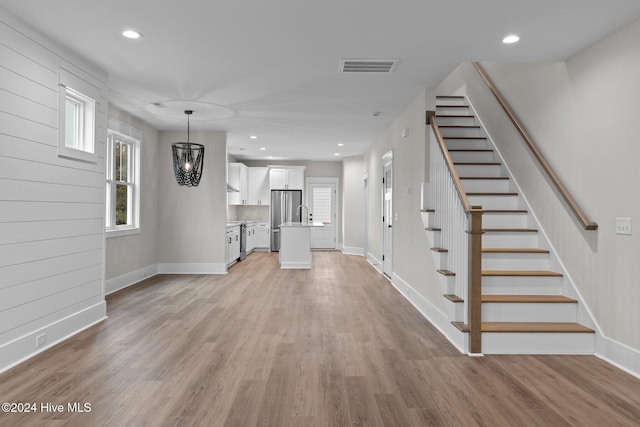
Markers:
77,105
122,184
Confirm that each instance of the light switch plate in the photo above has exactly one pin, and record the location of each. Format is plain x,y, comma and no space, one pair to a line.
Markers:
623,226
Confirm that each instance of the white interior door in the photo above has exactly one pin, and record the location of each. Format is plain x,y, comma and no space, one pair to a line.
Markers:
387,218
321,200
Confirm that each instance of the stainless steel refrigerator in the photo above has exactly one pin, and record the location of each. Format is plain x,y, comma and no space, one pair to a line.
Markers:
284,208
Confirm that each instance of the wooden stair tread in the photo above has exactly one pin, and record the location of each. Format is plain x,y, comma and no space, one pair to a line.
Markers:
446,272
535,327
469,150
510,230
452,106
477,163
427,210
441,250
485,177
453,298
505,211
528,299
521,273
455,116
566,327
515,250
491,194
449,97
433,229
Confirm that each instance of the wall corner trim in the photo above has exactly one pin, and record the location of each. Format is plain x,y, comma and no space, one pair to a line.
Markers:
129,279
348,250
618,354
192,268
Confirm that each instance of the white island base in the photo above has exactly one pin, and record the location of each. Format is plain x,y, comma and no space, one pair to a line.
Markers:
295,245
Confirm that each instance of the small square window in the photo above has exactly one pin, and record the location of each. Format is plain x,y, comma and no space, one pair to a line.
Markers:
77,105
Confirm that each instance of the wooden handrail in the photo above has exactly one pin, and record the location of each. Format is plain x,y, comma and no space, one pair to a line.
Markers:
452,170
586,223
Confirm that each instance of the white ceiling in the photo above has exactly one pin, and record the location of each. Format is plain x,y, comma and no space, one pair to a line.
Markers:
270,68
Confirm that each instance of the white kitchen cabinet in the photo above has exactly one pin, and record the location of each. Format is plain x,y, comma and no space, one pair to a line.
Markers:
286,178
233,244
251,238
237,176
258,182
263,238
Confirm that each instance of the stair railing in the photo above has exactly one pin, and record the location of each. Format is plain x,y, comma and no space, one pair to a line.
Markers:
583,219
461,230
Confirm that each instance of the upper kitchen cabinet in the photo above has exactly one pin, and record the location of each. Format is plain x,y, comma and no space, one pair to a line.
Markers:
287,178
258,192
238,176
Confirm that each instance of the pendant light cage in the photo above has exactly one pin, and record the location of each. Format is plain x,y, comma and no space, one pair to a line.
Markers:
188,160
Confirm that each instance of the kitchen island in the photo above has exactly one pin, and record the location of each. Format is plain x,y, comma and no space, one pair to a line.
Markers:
295,244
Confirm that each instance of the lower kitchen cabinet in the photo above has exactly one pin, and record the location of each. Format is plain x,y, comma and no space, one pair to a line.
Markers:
233,244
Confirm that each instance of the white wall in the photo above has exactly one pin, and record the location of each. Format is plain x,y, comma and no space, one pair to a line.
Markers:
192,220
51,208
353,205
133,257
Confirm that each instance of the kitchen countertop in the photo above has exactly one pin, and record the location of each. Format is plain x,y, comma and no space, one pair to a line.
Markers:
301,224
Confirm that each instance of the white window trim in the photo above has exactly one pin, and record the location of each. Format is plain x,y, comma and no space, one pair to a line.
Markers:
86,94
111,229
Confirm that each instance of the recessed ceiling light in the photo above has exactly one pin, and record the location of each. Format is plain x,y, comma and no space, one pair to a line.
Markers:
132,34
263,148
512,38
341,145
336,154
253,137
269,157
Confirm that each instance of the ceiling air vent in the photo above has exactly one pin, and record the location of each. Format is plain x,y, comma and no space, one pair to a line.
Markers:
368,65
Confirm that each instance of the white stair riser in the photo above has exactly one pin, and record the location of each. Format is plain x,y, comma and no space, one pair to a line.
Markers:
498,220
509,240
537,343
434,238
460,132
449,111
495,285
440,101
440,259
427,218
455,311
479,170
467,144
447,284
485,185
457,121
529,312
472,156
495,202
509,261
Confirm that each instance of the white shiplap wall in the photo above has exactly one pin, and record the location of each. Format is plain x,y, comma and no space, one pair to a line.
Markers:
51,208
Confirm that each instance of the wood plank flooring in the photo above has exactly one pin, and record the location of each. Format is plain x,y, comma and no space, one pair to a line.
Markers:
336,345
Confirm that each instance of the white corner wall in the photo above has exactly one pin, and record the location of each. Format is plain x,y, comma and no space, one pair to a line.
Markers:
192,220
414,273
353,205
51,208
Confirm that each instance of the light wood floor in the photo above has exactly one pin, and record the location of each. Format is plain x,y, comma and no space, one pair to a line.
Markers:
336,345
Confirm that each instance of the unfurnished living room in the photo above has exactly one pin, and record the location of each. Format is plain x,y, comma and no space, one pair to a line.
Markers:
283,213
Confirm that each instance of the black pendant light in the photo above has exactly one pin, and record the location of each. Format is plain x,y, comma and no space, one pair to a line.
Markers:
188,160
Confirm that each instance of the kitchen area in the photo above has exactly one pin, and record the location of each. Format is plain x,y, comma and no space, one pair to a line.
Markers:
259,201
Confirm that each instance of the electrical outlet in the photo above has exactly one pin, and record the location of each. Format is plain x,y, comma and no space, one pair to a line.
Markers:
623,226
41,340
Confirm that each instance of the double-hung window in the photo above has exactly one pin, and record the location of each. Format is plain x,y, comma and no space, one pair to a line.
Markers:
122,184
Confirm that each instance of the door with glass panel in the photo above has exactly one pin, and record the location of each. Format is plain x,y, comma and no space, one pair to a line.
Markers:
321,200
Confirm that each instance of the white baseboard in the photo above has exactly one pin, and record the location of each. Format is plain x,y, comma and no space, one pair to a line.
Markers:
618,354
192,268
376,263
295,265
437,318
347,250
23,348
117,283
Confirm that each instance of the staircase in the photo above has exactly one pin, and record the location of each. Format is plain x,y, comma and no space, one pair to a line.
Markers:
528,304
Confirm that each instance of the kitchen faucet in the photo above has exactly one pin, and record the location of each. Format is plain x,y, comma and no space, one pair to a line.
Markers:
298,212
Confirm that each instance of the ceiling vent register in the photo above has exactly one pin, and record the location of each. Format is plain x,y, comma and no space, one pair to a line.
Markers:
368,65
